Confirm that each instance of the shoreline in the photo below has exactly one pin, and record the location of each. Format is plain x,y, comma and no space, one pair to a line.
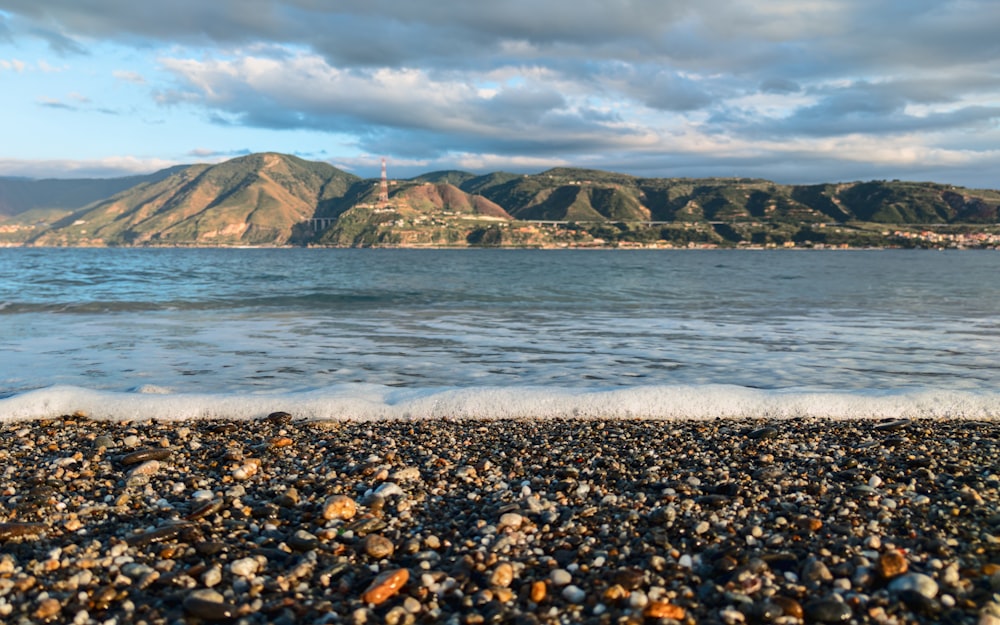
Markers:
469,521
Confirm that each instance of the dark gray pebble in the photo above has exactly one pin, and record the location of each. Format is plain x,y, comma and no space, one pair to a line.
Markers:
828,611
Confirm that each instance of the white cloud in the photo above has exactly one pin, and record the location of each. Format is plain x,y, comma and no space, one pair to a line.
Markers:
131,77
14,65
109,167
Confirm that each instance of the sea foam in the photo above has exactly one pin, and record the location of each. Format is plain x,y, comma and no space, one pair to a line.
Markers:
374,402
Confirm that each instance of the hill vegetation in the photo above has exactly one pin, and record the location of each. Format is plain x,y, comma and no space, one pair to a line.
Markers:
274,199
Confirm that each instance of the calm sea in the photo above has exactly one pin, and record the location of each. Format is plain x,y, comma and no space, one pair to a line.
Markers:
178,333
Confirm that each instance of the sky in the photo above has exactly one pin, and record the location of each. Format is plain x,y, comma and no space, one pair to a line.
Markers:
795,91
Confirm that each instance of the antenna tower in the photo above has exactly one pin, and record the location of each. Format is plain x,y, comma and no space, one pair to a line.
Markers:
383,193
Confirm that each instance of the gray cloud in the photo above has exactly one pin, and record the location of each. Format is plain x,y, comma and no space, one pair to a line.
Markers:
586,81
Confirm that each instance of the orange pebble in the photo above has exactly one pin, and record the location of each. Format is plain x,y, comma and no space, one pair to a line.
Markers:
385,585
538,591
663,609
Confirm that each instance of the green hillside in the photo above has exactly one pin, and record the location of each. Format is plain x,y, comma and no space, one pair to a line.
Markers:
276,199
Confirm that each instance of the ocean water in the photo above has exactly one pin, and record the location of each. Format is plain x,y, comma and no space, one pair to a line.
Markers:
371,334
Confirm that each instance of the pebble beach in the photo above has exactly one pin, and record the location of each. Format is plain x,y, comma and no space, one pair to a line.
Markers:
284,521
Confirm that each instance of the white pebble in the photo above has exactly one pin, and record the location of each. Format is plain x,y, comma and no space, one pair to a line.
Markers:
574,594
244,567
923,584
560,577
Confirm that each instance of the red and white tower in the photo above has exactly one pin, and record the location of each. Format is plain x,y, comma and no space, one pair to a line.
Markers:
383,193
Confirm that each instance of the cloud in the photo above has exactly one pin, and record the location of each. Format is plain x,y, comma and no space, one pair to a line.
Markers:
53,103
131,77
206,153
111,167
717,84
13,65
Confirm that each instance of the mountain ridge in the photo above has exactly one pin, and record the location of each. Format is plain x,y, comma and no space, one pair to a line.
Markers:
277,199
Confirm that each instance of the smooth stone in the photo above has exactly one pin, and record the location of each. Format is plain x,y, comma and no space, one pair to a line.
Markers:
502,575
816,571
892,564
916,601
149,467
560,577
145,455
763,433
245,567
209,605
828,611
918,582
302,540
574,594
13,531
339,507
387,584
510,520
378,546
279,418
664,609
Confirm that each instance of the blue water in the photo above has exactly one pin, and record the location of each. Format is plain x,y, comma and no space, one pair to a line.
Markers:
673,331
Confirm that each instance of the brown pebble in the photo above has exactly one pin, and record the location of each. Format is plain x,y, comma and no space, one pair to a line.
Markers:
339,507
204,510
47,609
12,531
538,591
502,575
615,593
279,418
164,532
145,455
149,467
378,546
892,564
102,598
809,523
279,441
663,609
790,607
387,584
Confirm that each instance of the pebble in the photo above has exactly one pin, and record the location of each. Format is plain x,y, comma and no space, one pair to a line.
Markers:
510,520
209,605
502,575
21,531
828,611
378,546
145,455
48,609
918,582
538,591
149,467
386,585
664,609
339,507
496,515
244,567
574,594
892,564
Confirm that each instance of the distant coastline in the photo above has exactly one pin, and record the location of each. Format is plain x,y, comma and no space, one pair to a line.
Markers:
277,200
